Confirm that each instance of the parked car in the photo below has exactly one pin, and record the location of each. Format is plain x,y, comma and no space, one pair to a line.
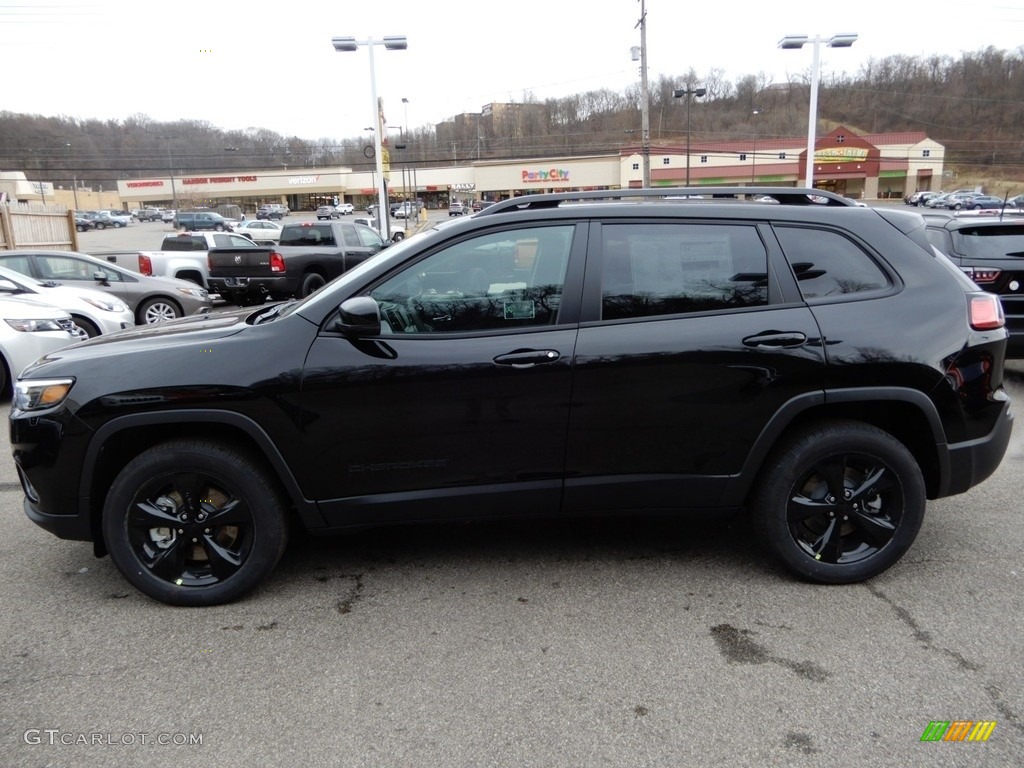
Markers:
94,312
28,330
407,210
151,299
149,214
958,200
84,223
103,219
991,253
346,209
259,230
479,205
819,365
982,202
272,211
198,221
456,208
328,212
120,218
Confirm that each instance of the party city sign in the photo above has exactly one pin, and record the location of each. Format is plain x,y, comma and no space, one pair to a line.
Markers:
551,175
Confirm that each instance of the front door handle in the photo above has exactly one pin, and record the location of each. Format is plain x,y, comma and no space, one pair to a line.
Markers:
776,339
527,358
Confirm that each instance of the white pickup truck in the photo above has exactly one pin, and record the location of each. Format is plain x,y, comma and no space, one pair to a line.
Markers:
183,255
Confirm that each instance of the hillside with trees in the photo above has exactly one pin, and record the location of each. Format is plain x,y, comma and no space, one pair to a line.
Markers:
973,104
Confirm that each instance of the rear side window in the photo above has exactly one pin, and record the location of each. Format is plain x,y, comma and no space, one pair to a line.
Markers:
827,264
667,269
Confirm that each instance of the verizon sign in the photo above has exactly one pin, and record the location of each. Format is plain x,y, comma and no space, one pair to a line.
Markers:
304,179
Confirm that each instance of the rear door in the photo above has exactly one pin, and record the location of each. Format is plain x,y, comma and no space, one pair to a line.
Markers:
691,340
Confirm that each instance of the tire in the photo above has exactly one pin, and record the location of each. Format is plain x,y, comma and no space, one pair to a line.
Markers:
310,283
157,310
86,325
398,237
100,225
118,225
219,227
844,469
194,522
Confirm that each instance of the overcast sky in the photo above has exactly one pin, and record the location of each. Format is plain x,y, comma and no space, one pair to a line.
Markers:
254,64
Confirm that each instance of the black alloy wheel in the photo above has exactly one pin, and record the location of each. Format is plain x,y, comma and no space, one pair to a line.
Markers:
840,503
194,523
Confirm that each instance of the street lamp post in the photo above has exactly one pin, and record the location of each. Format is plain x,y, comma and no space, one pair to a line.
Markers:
391,43
797,41
753,153
688,93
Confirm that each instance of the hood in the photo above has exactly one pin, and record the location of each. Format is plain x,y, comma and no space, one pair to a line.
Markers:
24,308
190,331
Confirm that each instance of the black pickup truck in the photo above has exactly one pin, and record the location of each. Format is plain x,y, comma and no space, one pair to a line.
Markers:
308,255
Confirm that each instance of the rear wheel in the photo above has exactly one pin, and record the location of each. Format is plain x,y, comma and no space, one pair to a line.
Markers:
194,523
100,225
840,503
310,283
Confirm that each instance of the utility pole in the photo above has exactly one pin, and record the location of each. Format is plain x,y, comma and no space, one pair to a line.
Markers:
645,97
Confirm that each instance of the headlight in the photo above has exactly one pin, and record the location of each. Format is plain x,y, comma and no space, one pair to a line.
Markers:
37,394
199,293
109,305
33,325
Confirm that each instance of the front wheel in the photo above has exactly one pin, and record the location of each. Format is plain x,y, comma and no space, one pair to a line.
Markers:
840,502
398,237
86,326
193,522
157,311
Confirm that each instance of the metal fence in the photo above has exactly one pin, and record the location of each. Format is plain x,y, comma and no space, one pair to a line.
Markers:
37,225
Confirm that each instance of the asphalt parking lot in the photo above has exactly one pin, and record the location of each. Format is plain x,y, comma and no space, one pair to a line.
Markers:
653,642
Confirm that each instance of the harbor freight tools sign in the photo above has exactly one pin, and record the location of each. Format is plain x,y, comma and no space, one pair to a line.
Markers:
551,175
958,730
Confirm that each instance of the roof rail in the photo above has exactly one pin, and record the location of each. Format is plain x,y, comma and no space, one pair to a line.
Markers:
783,195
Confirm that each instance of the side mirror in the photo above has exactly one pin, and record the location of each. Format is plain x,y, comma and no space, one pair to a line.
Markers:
100,277
358,317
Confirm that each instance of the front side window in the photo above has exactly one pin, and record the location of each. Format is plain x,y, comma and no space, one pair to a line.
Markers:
494,282
667,269
827,264
369,239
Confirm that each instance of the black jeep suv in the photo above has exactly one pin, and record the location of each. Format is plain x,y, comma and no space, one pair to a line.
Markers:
816,364
990,250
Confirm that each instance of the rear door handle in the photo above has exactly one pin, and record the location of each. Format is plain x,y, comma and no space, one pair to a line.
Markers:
527,358
776,340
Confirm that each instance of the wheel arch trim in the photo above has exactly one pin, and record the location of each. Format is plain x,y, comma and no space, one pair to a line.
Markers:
307,509
740,485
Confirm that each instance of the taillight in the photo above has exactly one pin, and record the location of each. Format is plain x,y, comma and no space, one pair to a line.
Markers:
986,312
979,275
145,264
276,262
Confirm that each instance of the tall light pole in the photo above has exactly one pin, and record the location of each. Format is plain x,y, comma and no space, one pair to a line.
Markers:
797,41
391,43
753,154
688,93
645,99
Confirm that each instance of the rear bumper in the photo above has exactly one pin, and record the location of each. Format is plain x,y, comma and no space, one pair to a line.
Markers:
251,287
972,461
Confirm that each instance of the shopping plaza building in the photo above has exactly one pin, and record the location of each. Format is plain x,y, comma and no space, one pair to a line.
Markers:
859,166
